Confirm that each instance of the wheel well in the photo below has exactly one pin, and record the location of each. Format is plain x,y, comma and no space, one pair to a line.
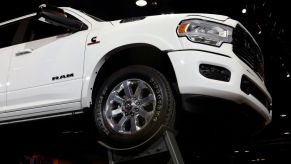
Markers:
137,54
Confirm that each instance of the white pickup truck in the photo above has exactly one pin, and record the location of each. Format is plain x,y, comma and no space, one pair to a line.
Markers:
131,73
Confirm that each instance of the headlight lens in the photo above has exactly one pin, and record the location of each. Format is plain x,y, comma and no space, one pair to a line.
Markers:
205,32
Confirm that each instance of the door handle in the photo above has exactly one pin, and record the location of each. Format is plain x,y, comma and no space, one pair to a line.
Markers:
23,52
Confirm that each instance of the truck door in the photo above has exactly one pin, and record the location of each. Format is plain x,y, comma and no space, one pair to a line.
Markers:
46,69
7,32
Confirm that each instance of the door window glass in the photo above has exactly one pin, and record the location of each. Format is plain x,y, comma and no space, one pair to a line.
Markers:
7,33
39,29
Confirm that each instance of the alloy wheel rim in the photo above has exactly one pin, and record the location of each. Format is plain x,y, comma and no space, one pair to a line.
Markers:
130,106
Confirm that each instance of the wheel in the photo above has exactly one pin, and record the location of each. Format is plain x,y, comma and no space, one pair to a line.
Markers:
131,106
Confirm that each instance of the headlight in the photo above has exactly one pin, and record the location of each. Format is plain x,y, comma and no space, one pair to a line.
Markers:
206,32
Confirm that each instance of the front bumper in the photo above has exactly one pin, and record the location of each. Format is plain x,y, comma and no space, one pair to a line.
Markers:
190,81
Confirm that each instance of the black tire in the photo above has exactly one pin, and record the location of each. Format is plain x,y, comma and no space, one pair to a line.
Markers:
162,113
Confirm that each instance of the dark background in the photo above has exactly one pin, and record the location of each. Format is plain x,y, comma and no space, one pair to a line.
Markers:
267,20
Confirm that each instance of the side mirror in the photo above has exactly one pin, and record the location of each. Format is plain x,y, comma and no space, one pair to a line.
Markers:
58,17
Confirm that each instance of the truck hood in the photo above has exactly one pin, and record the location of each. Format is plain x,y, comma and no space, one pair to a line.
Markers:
211,17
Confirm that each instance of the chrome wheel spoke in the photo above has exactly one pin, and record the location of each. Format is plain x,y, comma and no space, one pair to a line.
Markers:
114,97
133,125
147,100
120,125
116,112
139,89
127,89
145,114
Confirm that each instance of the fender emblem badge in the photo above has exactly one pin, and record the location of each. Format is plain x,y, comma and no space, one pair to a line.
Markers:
93,41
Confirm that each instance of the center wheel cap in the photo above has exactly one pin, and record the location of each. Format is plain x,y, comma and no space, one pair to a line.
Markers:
128,106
